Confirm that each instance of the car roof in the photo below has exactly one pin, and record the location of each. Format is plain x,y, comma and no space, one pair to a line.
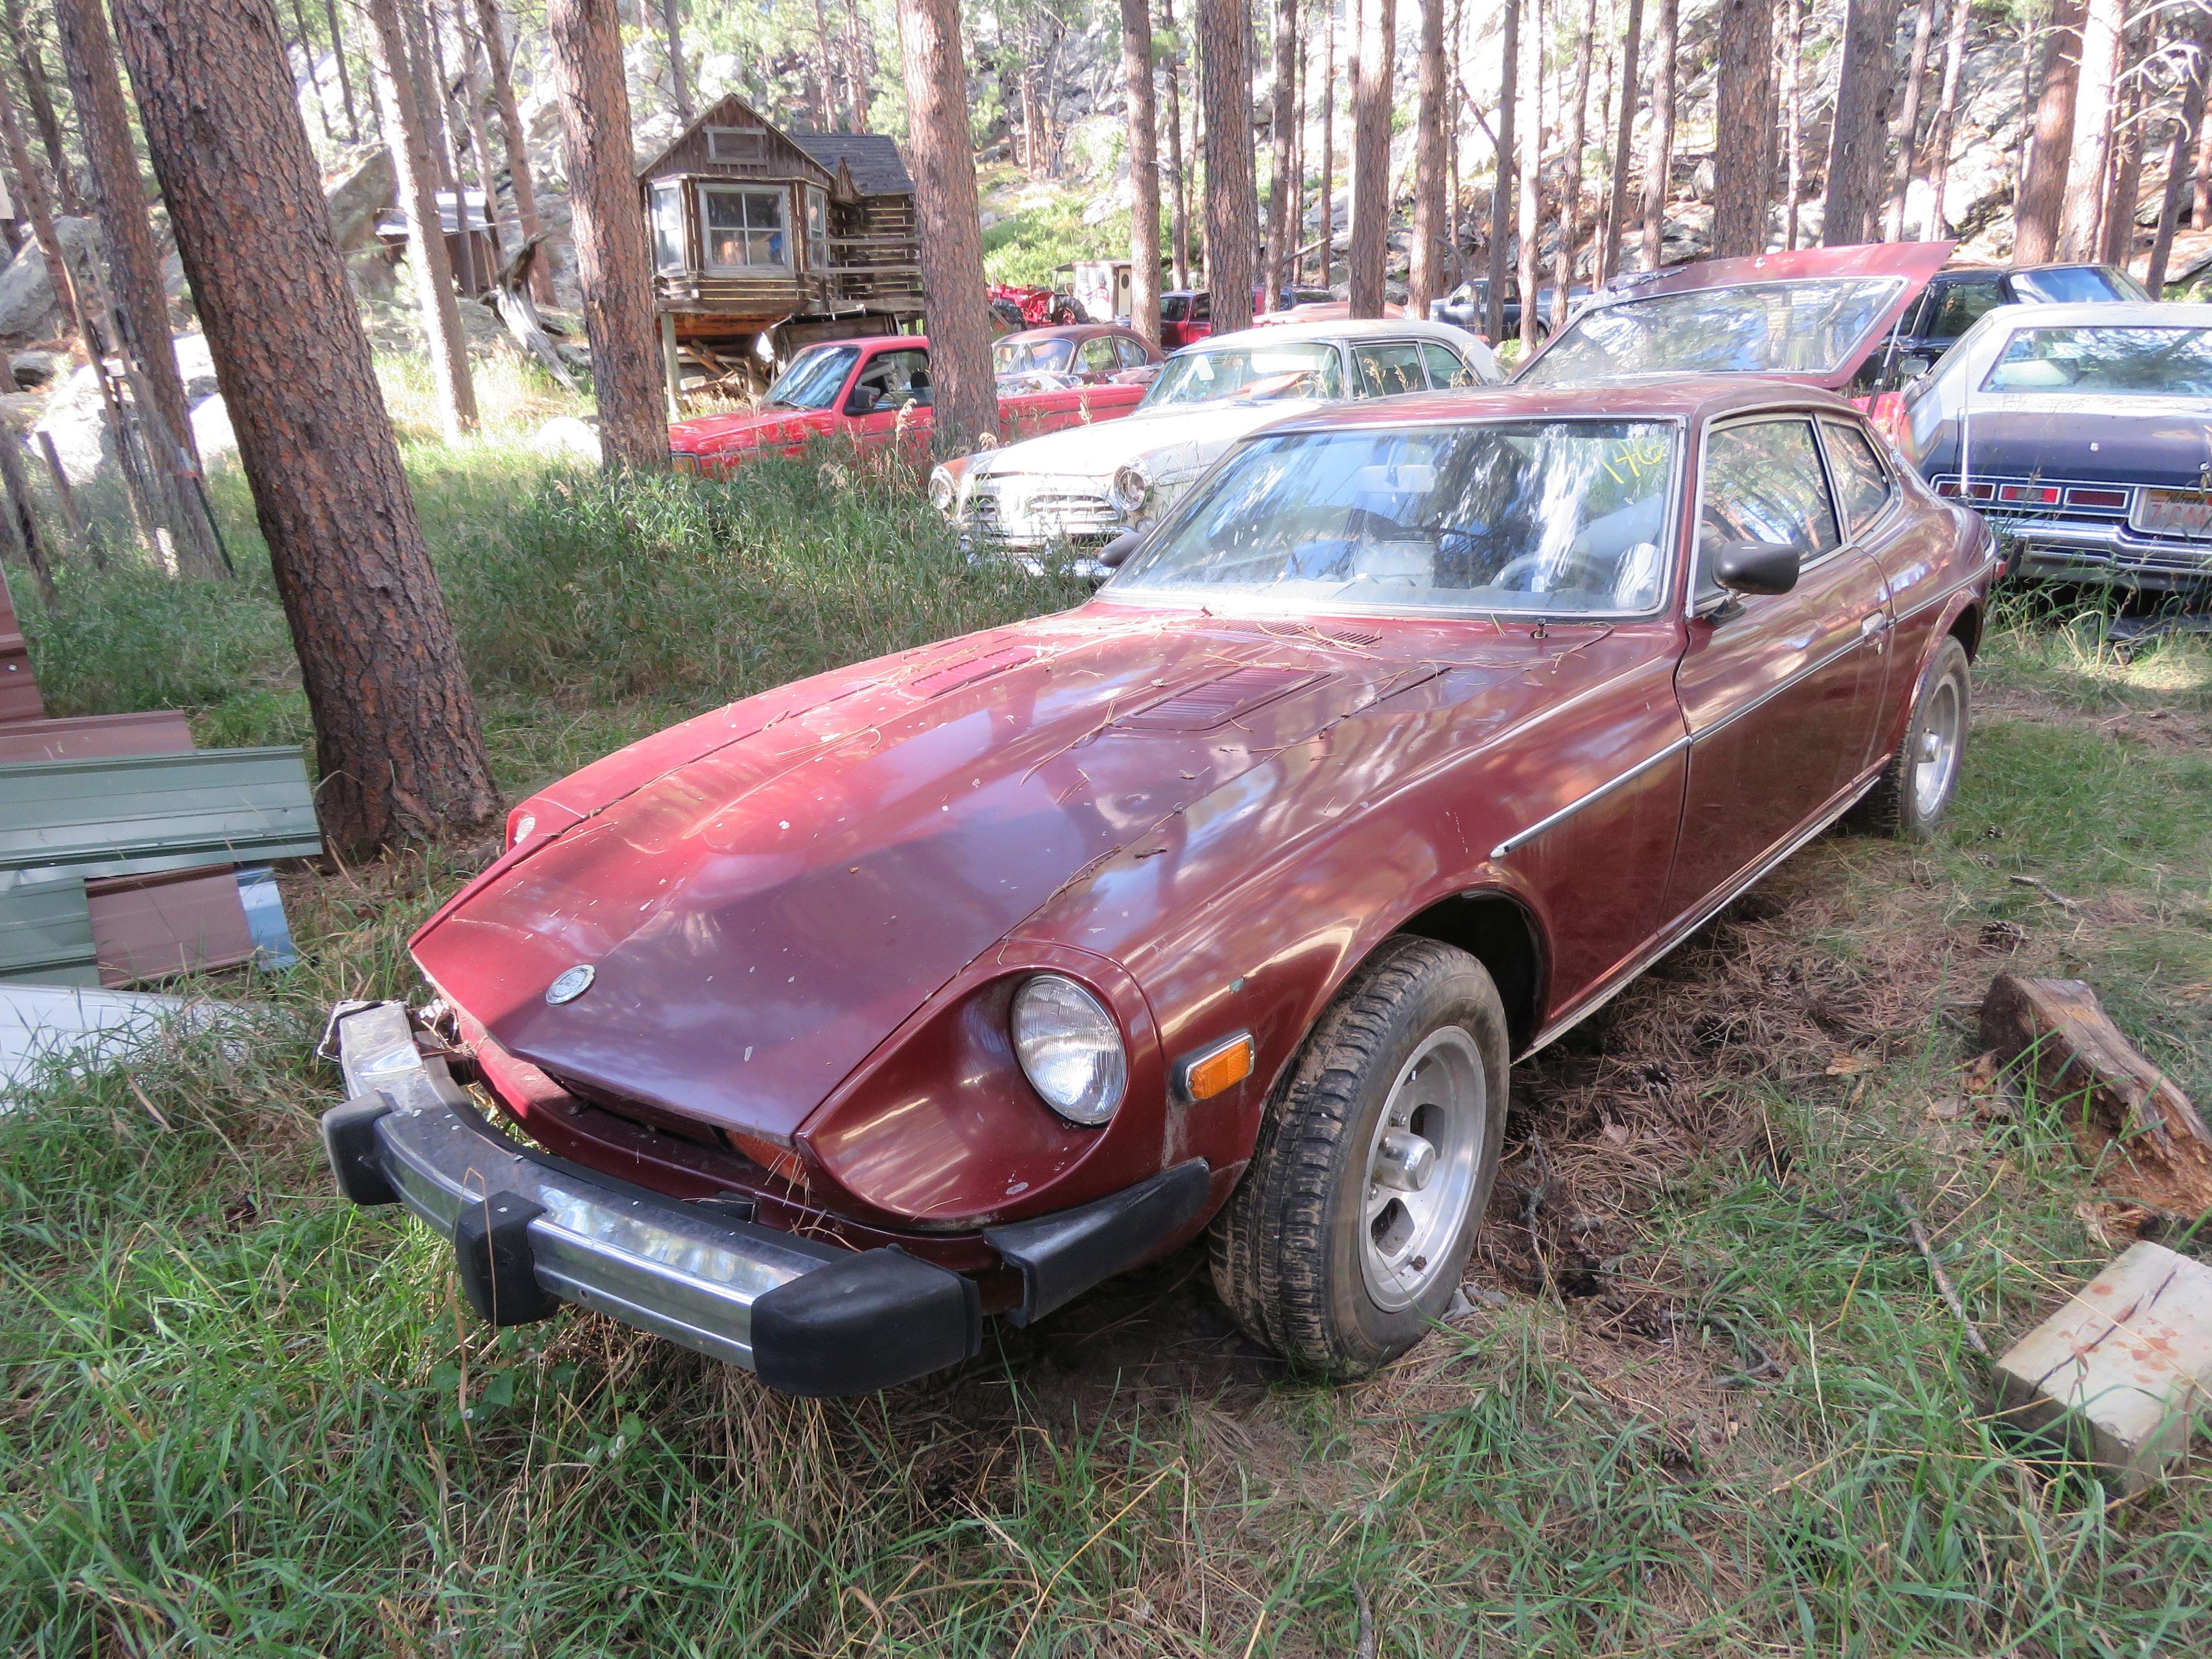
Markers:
1362,328
1638,397
1066,332
2103,314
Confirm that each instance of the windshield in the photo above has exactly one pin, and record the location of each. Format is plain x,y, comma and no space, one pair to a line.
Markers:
1758,328
1254,374
1522,516
813,378
1173,307
1032,356
2118,362
2070,283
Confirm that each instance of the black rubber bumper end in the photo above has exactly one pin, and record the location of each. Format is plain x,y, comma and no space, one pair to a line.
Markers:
876,1320
349,1141
1062,1255
491,1245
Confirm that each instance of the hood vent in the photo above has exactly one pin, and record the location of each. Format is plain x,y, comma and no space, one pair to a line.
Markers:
1214,703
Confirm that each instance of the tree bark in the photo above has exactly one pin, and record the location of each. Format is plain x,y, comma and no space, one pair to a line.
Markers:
518,147
1906,135
1571,210
1178,186
25,41
1947,115
2177,180
397,745
1232,204
345,75
1864,92
119,198
2042,193
1282,120
967,400
1328,146
1616,219
1792,123
307,54
426,258
2088,167
2117,235
426,51
857,81
30,193
1743,117
671,27
1424,273
825,62
1501,190
1658,171
1143,171
1529,227
472,112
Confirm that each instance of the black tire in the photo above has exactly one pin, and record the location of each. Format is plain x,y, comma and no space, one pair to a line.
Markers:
1289,1247
1897,805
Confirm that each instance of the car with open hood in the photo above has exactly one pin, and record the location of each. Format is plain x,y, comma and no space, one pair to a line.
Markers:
1824,317
2084,431
878,393
816,1029
1080,490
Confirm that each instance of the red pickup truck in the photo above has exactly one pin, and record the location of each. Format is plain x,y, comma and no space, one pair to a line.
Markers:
875,392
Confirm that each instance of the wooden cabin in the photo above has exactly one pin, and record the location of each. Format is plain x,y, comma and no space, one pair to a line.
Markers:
796,236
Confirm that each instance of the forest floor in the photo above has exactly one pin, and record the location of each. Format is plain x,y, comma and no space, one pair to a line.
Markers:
1706,1398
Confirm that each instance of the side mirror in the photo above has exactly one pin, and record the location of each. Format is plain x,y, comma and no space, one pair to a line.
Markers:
1116,553
1756,567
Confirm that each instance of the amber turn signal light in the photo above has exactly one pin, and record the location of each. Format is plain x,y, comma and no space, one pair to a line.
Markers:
1222,1067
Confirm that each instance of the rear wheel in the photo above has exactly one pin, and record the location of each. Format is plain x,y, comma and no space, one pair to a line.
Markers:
1356,1217
1922,780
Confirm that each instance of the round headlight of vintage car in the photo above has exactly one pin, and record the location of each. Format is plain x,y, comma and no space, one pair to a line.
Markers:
1133,488
943,491
1070,1048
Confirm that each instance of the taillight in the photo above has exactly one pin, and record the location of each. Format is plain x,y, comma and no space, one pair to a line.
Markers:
520,822
2030,494
2106,498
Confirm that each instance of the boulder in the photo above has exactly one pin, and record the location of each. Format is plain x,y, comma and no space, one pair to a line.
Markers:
356,196
33,369
74,421
28,306
212,434
567,438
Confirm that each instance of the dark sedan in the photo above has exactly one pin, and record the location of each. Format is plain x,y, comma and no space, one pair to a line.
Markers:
1955,299
1080,354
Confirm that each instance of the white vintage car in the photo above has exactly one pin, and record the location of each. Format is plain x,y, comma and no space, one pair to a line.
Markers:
1083,485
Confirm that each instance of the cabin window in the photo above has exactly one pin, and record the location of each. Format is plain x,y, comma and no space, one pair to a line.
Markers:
817,229
744,229
737,143
668,252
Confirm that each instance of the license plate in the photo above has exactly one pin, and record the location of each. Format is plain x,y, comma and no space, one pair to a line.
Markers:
2176,512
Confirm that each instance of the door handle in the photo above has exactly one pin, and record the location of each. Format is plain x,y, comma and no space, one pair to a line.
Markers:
1875,624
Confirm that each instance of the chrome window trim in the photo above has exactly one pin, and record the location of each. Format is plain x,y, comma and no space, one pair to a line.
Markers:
1889,502
1736,417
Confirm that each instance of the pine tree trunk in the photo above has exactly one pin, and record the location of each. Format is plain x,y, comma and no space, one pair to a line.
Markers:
1616,217
1283,117
1298,156
33,202
398,745
1528,228
1743,116
1947,115
308,55
426,48
967,401
472,112
1424,276
119,198
1658,181
2117,234
1328,147
426,258
1144,170
1178,189
1501,190
1863,96
1570,213
1905,135
1232,202
2177,168
858,81
826,97
2042,195
2089,165
345,75
29,53
1455,209
517,145
607,220
671,27
1792,123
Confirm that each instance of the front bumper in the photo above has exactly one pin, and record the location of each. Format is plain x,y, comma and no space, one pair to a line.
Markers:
2073,549
531,1232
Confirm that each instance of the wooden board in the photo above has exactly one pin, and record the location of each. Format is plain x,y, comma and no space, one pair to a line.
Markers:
162,926
19,689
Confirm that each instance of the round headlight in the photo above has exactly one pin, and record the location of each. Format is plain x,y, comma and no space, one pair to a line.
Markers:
1132,489
942,490
1070,1048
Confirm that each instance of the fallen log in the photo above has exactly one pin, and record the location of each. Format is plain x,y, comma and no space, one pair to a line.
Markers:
2129,1120
510,299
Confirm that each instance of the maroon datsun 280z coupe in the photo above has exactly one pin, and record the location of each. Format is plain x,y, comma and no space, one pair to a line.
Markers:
953,983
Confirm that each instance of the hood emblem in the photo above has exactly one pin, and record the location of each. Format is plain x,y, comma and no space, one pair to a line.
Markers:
571,984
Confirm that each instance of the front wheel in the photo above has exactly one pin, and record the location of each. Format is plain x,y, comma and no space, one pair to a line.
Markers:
1916,790
1355,1219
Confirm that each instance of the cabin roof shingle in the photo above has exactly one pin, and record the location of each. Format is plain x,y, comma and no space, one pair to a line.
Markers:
872,159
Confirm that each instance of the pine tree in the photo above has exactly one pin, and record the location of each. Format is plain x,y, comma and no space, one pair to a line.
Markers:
1144,170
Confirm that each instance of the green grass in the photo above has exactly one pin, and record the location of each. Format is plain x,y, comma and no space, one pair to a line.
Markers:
241,1417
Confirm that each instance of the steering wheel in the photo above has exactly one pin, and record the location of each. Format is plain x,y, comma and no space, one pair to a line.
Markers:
1578,561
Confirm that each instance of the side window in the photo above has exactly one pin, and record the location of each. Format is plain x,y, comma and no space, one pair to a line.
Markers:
1763,483
1862,485
1133,353
1959,306
1446,366
1201,308
1384,371
890,382
1099,356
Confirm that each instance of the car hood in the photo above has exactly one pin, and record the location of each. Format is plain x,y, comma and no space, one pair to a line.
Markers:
1171,441
747,428
768,892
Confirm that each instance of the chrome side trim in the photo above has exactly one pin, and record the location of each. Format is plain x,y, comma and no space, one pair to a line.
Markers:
1674,936
1598,794
1778,689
